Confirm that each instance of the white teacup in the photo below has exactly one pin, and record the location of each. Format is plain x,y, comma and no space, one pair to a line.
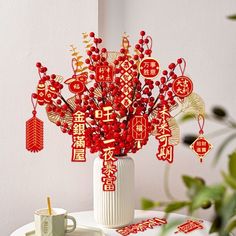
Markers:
54,224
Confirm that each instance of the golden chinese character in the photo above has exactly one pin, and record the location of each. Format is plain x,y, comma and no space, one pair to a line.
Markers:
109,168
78,155
152,72
153,64
146,64
78,116
107,114
78,142
108,154
139,128
78,129
146,72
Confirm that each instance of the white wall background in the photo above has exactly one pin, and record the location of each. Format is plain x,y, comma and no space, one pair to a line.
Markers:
43,30
34,31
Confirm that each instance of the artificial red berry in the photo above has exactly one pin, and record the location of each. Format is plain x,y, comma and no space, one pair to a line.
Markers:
89,53
164,72
48,108
122,50
34,95
140,41
171,66
38,64
142,33
91,34
92,48
87,61
163,80
179,61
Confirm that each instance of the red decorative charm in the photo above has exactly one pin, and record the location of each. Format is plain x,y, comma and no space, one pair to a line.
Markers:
149,68
34,132
41,93
76,83
139,127
201,146
104,74
109,168
142,226
165,150
50,94
78,137
182,86
126,82
190,226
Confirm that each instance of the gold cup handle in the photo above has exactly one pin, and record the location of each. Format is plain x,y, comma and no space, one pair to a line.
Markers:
71,228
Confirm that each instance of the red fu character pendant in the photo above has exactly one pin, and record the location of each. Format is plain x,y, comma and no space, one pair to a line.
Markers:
201,146
139,125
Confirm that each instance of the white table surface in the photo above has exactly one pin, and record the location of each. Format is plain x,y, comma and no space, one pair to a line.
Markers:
86,218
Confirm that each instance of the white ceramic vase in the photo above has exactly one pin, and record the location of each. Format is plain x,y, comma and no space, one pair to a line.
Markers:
114,209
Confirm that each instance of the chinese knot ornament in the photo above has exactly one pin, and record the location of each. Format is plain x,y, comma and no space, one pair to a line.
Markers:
201,146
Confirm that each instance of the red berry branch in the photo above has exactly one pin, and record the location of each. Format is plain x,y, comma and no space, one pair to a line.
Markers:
91,93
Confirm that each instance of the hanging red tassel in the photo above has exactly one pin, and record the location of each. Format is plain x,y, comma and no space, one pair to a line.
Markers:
34,132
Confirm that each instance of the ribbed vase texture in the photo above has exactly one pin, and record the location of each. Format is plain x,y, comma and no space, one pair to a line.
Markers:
114,209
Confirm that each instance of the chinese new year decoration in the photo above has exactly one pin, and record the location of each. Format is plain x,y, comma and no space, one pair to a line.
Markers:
190,226
142,226
78,136
113,109
34,132
201,146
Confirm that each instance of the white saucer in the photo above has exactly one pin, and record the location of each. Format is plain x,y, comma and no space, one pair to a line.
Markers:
79,231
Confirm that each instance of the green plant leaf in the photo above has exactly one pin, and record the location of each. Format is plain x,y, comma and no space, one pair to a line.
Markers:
189,139
174,206
170,226
228,210
216,225
232,17
229,180
187,117
219,112
192,181
231,226
223,146
212,193
232,165
147,204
